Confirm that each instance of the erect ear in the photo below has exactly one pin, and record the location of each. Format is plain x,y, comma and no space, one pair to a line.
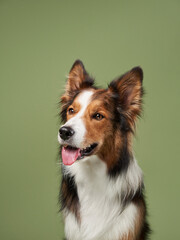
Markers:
78,78
130,91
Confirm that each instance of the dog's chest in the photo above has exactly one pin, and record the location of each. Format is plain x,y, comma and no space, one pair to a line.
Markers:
100,206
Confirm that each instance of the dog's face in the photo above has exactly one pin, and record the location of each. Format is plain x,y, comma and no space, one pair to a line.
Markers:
96,120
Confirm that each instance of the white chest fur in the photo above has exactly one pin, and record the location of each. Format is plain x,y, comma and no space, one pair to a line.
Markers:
100,202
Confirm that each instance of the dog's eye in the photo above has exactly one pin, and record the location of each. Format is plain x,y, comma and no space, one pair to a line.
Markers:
98,116
70,110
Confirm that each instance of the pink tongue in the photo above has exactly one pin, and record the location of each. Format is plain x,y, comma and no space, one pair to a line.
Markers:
69,156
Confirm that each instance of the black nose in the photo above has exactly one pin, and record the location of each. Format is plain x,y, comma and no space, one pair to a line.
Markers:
66,132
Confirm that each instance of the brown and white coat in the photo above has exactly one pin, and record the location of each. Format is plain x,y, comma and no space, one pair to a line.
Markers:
102,186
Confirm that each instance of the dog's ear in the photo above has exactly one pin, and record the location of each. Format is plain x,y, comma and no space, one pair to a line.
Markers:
130,91
78,78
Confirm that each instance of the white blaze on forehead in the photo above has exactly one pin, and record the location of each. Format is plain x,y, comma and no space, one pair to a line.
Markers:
76,122
84,100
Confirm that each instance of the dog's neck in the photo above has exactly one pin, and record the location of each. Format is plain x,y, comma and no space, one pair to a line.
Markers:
92,175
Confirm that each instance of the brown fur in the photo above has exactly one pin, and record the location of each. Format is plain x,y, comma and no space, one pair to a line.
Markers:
76,107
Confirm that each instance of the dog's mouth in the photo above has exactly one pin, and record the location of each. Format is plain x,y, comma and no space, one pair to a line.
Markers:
71,154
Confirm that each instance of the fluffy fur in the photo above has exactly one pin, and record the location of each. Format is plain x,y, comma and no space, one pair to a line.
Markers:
102,192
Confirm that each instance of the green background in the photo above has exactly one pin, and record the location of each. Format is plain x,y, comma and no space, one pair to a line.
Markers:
39,41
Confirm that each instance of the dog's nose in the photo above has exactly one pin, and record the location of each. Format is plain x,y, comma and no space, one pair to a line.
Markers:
66,132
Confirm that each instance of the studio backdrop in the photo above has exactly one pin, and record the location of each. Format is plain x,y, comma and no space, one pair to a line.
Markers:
39,41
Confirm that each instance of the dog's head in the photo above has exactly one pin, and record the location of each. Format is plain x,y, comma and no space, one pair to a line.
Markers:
99,121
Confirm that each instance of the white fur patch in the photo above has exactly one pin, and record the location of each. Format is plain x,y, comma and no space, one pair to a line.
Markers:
72,229
76,122
100,202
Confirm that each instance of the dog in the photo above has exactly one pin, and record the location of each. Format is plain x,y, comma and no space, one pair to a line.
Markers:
102,190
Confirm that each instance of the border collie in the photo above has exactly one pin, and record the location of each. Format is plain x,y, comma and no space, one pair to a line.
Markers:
102,185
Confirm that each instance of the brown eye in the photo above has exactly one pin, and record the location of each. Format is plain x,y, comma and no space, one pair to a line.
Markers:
70,110
98,116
